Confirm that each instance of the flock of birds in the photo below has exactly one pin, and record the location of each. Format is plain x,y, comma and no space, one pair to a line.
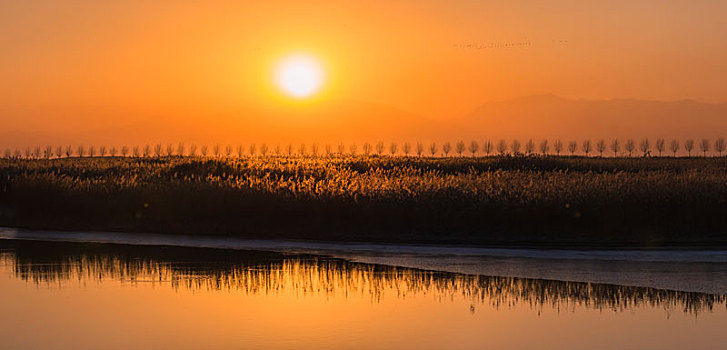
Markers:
500,45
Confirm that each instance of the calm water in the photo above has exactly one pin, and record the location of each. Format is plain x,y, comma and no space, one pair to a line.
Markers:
102,296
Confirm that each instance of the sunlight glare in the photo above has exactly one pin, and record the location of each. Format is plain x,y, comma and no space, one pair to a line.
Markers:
299,76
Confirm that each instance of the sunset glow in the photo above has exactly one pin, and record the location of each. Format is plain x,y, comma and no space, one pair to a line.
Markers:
133,73
412,175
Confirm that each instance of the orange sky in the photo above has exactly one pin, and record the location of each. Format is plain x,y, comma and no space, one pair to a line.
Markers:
66,64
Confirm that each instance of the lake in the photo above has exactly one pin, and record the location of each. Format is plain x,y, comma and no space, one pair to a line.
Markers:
63,295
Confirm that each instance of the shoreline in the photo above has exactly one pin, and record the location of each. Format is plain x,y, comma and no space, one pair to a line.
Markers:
688,270
175,239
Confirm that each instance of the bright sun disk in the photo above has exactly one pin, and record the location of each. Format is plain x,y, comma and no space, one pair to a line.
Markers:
299,76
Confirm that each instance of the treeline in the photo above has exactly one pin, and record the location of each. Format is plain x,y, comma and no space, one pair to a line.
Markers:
600,148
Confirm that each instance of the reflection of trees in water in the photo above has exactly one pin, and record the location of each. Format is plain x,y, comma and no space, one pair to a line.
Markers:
270,273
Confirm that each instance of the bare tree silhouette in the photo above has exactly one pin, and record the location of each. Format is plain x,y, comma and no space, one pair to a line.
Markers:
502,147
328,149
59,151
630,146
203,150
169,151
263,149
102,151
367,149
615,147
393,147
558,147
81,151
433,149
586,147
460,148
7,153
158,150
704,146
689,146
419,148
645,147
406,148
180,149
572,147
124,151
341,149
487,147
544,147
719,146
289,149
48,152
674,147
147,151
301,150
314,150
113,151
474,147
353,149
660,144
515,147
240,151
251,149
529,147
193,150
379,148
216,150
601,147
446,148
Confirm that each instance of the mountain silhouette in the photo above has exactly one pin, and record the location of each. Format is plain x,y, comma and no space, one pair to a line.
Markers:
537,117
549,116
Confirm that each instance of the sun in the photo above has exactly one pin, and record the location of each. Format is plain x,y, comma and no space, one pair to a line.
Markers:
299,76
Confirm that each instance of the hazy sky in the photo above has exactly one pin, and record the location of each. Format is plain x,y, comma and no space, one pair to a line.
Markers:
107,58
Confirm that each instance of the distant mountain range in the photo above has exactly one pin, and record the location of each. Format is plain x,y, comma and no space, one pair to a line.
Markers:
537,117
549,116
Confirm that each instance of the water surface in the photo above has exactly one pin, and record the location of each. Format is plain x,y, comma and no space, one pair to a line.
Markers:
689,270
57,295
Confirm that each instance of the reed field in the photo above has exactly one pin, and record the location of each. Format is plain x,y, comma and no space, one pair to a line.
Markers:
500,200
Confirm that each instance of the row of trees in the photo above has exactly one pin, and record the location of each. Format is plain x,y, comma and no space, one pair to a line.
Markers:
515,147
